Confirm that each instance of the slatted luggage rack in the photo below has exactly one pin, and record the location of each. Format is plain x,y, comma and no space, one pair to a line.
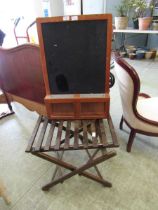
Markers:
50,135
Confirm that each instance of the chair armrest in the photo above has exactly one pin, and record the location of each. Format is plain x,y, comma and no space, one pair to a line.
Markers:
144,95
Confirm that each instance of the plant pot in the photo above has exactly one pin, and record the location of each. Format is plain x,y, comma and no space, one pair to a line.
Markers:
121,22
155,25
154,51
135,23
148,54
131,50
131,56
123,54
144,23
140,54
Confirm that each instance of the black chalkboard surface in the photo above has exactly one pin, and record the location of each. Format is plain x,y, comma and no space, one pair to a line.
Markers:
75,53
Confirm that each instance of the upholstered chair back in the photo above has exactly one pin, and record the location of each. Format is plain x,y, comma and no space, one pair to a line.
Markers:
128,82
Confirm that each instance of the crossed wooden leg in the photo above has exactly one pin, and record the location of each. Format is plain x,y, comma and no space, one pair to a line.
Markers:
92,162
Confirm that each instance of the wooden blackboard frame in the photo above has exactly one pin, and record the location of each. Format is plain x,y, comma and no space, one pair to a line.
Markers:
76,98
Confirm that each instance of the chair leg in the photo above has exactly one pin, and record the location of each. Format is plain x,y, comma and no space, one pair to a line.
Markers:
121,123
3,193
10,111
131,139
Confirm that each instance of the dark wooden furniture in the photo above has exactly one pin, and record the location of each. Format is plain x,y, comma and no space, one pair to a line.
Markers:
21,76
63,136
4,100
140,111
75,53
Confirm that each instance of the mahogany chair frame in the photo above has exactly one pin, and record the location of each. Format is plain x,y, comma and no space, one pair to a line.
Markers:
7,101
136,81
22,65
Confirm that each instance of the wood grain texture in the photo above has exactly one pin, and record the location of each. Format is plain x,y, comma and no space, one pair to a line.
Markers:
76,134
21,72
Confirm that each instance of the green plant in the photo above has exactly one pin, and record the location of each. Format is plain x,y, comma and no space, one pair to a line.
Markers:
140,7
123,8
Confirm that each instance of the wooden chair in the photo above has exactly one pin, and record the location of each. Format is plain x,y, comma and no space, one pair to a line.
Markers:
21,77
140,111
6,110
63,136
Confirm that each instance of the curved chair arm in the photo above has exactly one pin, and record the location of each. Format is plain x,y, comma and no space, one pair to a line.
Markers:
144,95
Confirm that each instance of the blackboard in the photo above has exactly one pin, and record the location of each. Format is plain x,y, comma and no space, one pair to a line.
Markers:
75,53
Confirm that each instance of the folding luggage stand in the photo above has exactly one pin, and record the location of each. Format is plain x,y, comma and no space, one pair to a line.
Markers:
78,135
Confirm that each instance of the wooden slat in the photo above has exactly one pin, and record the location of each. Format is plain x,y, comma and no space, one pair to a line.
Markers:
112,131
101,129
67,135
76,134
34,133
93,133
41,136
85,136
58,138
50,136
99,132
80,147
91,127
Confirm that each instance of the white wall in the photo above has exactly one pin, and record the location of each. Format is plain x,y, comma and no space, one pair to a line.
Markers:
94,7
111,6
73,9
10,10
57,8
37,5
89,7
30,9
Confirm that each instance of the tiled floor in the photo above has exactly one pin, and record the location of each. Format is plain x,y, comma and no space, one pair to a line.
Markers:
134,176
